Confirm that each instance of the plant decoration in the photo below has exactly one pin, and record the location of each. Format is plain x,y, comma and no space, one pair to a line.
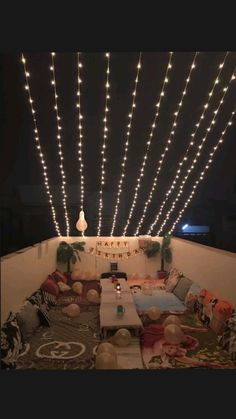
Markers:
164,249
67,253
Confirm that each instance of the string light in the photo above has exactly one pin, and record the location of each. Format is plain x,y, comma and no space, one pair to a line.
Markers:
39,148
80,141
141,173
103,154
167,146
60,149
124,160
202,174
189,147
195,159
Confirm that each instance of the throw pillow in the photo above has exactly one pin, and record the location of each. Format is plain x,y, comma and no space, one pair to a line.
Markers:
63,287
182,288
49,299
28,320
172,282
58,276
191,296
40,297
36,298
43,315
11,342
222,310
51,287
228,338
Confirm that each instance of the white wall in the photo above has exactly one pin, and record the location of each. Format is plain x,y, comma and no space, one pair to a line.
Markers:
23,272
96,265
213,269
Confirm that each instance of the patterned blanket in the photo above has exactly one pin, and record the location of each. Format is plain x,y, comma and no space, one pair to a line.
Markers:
70,343
199,350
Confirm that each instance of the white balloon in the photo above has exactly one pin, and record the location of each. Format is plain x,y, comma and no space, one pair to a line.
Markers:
173,334
105,361
122,337
153,313
172,320
77,287
72,310
93,296
107,347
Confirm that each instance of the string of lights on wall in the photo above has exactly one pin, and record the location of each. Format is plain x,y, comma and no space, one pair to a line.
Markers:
103,154
39,147
80,127
167,145
141,173
127,141
192,140
197,155
59,143
202,174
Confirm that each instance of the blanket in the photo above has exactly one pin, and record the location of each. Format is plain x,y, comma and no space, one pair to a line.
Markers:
68,344
200,349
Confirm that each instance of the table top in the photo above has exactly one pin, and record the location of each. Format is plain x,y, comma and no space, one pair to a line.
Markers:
112,297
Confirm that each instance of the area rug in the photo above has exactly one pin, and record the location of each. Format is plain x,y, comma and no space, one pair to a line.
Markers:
200,350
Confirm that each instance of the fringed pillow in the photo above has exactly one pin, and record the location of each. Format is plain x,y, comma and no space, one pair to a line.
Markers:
228,338
11,342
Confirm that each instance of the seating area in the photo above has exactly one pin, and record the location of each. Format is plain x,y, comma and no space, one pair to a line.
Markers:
172,323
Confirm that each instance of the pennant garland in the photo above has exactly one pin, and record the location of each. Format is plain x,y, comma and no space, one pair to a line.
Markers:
112,244
114,256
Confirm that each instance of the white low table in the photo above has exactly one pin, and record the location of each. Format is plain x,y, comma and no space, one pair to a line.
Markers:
110,321
107,285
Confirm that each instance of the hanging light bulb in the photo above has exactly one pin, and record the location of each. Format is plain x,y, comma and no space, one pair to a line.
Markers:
81,224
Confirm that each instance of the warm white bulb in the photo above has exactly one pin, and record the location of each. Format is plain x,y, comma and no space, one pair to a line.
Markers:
81,224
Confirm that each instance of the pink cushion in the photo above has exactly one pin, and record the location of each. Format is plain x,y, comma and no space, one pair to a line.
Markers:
58,276
51,287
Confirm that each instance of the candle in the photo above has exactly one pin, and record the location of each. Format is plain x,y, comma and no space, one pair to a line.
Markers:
118,294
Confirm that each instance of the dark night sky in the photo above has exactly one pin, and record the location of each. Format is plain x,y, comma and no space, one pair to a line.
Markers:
20,166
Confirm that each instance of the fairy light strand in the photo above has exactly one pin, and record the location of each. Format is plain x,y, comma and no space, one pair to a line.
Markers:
197,155
127,141
103,154
141,173
39,147
167,145
202,174
80,140
60,148
190,145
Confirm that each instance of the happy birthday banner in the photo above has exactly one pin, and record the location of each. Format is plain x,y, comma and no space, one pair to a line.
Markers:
114,256
112,244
